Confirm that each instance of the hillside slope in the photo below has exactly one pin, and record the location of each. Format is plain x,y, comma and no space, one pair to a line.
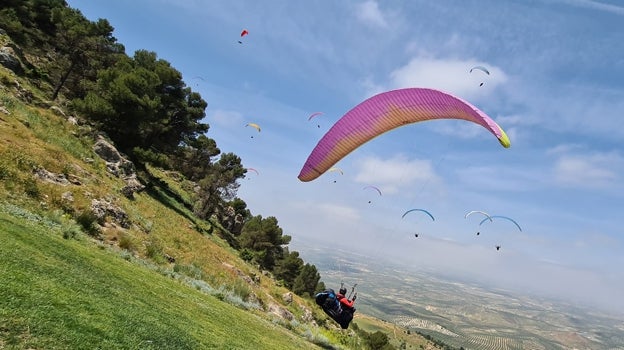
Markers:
87,263
64,294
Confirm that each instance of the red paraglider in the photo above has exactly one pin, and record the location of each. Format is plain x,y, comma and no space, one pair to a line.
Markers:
242,34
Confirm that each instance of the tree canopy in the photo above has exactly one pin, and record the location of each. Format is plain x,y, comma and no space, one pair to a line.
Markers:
142,102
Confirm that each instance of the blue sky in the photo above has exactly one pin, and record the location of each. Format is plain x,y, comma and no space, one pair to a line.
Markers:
556,86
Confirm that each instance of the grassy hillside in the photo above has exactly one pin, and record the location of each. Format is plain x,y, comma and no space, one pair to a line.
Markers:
64,294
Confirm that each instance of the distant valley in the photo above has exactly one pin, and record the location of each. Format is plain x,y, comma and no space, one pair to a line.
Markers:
462,313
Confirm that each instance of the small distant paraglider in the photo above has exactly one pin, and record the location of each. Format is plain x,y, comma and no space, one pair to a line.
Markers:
254,170
198,78
421,210
415,210
242,34
315,114
336,169
478,211
374,188
487,216
253,125
501,217
481,68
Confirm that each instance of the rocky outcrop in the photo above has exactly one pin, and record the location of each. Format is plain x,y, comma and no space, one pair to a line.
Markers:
9,59
280,311
240,273
58,111
48,176
287,297
116,163
232,221
119,166
104,207
132,186
307,316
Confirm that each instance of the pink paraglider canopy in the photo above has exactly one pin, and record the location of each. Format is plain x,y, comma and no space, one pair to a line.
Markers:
387,111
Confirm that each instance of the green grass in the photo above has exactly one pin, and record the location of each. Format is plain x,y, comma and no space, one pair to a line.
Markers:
67,294
396,335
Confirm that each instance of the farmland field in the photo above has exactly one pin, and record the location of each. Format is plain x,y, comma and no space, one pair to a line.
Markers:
466,314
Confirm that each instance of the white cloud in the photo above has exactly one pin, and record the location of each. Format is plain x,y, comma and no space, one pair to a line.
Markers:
564,148
587,171
449,75
514,119
587,110
395,173
338,212
369,13
370,87
227,119
499,178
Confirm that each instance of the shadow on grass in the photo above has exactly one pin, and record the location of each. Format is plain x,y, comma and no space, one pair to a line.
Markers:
163,196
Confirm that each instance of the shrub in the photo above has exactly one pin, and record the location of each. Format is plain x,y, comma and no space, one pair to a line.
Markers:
70,230
89,222
155,250
241,289
31,189
126,242
246,255
192,271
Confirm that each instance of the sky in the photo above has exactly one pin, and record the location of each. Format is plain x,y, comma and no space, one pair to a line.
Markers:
556,86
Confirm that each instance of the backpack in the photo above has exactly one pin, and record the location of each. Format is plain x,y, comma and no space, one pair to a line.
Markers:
329,302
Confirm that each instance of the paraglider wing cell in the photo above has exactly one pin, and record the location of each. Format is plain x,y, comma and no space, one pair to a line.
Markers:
387,111
254,170
244,32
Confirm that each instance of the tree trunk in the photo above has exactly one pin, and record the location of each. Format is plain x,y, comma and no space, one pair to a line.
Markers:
63,80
